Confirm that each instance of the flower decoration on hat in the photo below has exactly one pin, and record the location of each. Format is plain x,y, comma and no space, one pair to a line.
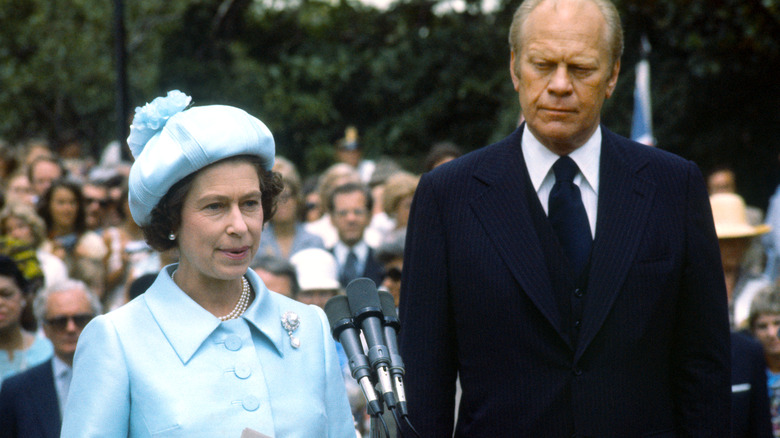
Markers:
152,117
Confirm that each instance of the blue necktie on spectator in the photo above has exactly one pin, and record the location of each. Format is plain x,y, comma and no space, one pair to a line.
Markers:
349,272
567,215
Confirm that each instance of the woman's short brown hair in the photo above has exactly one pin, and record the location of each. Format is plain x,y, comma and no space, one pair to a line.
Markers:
166,215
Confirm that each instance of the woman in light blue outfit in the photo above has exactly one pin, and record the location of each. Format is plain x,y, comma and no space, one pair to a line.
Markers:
206,350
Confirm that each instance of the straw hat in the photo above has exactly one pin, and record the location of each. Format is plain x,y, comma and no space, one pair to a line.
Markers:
730,215
316,269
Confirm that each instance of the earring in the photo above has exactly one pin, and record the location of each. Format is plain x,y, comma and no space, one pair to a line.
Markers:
171,236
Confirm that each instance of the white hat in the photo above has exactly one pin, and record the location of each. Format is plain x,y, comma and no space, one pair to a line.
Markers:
169,143
730,215
316,269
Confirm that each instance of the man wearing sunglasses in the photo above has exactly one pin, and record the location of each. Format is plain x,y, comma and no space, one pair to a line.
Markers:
32,402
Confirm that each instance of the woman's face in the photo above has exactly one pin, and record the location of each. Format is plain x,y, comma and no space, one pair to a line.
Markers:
20,190
64,207
11,302
221,222
286,207
18,229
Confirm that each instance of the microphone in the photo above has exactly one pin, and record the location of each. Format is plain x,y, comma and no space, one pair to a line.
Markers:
344,331
392,325
367,312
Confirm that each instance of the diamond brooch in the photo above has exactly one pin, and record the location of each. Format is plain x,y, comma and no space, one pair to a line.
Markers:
290,322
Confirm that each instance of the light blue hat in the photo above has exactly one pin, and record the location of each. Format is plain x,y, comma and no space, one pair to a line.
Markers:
169,142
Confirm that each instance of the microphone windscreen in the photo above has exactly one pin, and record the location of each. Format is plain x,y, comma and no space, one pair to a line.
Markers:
388,304
337,310
362,296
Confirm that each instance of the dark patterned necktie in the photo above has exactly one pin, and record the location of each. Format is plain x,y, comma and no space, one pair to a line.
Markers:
349,272
567,215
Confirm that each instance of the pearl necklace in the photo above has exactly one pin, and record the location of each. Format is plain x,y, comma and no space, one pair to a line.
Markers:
241,305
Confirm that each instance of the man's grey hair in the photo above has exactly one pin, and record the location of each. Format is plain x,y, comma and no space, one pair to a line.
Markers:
42,298
608,10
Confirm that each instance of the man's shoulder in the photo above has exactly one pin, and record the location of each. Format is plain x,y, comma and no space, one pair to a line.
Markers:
642,154
26,379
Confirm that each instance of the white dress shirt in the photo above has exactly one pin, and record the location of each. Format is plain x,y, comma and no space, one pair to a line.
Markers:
540,160
62,375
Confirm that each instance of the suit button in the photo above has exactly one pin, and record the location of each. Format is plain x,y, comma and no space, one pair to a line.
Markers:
577,324
243,371
250,403
233,343
577,371
579,293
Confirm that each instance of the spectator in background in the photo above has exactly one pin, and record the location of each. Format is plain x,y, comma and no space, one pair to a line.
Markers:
398,195
734,237
63,211
336,175
22,223
349,207
129,256
312,209
19,349
18,189
441,153
350,151
381,223
32,402
764,323
42,172
317,275
96,202
284,235
278,274
391,255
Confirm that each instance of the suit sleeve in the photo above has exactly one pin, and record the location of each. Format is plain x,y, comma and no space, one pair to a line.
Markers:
427,338
701,361
99,397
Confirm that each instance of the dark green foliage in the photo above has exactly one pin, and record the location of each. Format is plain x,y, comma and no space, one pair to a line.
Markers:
406,77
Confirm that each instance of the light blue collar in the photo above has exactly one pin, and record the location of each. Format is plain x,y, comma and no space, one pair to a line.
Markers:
186,325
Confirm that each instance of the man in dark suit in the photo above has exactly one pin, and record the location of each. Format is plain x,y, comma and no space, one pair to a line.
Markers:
570,278
31,402
349,206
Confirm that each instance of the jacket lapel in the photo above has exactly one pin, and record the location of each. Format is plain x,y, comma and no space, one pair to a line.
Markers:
503,211
625,199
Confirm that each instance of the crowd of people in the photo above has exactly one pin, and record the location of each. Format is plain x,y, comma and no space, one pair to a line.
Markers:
564,281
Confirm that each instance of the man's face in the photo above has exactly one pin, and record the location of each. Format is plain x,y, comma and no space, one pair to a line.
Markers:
563,73
67,313
277,283
722,181
43,174
350,216
95,201
765,330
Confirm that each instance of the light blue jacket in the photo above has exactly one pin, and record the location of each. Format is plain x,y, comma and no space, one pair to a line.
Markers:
163,366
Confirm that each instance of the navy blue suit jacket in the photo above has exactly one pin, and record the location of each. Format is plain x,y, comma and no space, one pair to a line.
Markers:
28,404
372,270
750,417
485,292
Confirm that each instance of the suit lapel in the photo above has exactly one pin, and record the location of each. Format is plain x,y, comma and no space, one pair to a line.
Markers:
503,211
44,400
624,203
